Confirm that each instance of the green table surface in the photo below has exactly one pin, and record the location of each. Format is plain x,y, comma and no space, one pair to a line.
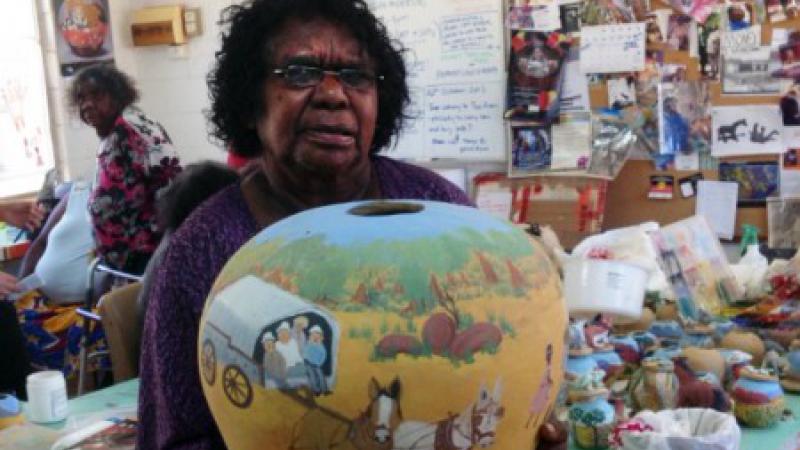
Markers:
783,436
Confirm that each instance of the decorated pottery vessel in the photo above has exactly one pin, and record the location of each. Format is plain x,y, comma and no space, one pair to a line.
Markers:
643,324
654,386
597,336
580,362
591,419
381,325
647,341
705,360
667,329
667,352
735,361
791,380
10,411
608,360
747,342
759,398
722,328
627,348
667,311
701,336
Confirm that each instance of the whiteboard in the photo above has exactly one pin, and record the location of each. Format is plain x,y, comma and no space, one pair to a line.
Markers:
457,77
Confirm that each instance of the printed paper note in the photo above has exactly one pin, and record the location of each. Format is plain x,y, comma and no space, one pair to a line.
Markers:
613,48
716,201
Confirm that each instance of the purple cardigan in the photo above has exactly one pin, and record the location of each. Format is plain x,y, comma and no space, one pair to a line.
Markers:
172,410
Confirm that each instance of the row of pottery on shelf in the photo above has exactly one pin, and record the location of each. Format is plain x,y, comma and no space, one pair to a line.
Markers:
759,398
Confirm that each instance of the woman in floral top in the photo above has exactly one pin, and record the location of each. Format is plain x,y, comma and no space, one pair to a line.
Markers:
136,159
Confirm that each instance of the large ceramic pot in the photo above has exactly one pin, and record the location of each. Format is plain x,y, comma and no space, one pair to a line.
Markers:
701,336
705,360
580,362
627,347
735,361
654,386
84,26
667,330
608,360
759,398
591,419
384,325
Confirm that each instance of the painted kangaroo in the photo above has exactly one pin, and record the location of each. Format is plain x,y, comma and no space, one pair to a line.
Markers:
476,425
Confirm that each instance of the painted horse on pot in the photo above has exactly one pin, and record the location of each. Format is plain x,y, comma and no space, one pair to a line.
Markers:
475,426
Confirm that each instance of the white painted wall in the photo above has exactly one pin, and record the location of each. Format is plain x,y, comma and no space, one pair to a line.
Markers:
171,81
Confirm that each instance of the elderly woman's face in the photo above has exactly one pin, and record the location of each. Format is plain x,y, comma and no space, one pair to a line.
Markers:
97,109
326,128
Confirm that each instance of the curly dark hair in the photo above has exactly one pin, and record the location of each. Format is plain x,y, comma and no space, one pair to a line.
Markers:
242,65
107,78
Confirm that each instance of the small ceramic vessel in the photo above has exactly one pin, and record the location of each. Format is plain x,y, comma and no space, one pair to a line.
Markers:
667,329
735,361
747,342
701,336
791,380
627,348
608,360
654,386
580,362
759,398
591,419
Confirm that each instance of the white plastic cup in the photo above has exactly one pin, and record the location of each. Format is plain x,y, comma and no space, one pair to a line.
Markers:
47,397
593,286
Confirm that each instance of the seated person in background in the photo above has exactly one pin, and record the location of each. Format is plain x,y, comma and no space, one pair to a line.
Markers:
21,214
324,92
59,257
136,159
175,203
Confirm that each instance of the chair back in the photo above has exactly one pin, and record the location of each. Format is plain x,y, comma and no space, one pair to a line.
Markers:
118,313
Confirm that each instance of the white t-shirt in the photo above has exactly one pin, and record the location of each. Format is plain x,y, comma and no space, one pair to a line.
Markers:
63,266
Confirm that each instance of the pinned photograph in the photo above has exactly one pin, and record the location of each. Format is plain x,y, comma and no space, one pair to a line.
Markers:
83,34
571,17
678,29
534,74
789,54
661,187
757,180
606,12
790,106
685,124
747,130
709,46
621,92
750,72
531,149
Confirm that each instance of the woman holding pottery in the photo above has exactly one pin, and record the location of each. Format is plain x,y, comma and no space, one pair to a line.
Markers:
314,89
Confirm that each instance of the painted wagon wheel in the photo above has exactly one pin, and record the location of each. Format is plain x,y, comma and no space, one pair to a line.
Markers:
208,362
236,386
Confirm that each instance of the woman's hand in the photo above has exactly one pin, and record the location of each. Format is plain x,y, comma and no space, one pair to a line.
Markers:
8,284
552,435
22,214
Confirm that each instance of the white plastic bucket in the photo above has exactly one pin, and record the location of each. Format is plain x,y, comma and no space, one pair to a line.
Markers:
47,397
593,286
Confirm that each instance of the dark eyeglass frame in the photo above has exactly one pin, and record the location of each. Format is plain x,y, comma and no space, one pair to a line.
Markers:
350,77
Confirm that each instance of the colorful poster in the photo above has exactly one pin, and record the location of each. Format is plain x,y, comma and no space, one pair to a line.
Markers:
685,124
83,33
757,180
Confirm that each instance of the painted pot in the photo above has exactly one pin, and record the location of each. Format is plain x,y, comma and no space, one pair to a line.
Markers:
747,342
627,348
667,329
646,340
702,337
666,353
326,325
10,411
591,419
735,361
654,386
580,363
608,360
759,398
705,360
791,380
722,328
642,324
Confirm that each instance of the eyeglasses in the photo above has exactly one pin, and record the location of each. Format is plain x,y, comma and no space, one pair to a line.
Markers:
301,76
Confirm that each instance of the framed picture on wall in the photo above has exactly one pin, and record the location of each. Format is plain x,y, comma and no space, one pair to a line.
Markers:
83,33
531,149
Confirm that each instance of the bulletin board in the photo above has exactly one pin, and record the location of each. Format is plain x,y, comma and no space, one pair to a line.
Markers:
627,196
